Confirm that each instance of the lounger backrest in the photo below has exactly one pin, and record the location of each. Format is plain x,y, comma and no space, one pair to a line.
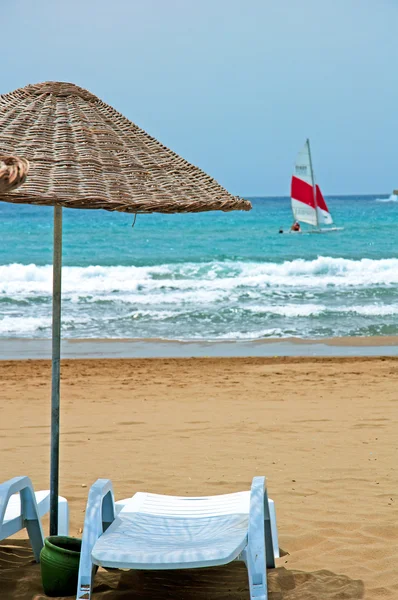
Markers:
203,506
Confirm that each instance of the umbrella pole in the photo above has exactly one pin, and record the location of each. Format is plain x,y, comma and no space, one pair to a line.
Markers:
55,376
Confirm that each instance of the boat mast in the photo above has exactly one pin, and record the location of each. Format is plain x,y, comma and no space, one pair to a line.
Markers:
313,183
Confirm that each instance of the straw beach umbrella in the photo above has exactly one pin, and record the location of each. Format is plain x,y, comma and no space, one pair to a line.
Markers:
62,146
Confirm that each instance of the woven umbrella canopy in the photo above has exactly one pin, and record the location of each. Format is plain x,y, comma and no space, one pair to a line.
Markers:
62,146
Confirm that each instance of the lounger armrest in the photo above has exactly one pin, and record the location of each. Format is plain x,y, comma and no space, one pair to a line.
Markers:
63,516
29,511
43,506
100,513
260,522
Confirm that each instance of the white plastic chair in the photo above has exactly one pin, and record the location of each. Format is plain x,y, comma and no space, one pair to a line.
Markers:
153,532
21,507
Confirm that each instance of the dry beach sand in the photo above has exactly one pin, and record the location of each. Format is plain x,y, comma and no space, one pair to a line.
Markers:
323,431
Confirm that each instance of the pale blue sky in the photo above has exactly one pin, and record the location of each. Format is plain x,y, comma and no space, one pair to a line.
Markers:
235,86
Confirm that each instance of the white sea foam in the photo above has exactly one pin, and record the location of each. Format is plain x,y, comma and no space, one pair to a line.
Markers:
289,310
392,198
218,300
275,332
23,325
378,310
200,281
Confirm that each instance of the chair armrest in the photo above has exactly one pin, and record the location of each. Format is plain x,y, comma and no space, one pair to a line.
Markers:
274,529
11,487
29,514
260,530
100,513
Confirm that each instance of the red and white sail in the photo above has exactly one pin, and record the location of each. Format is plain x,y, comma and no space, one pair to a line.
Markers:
308,204
324,216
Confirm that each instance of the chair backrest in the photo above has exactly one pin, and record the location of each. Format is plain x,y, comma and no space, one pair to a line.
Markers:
180,506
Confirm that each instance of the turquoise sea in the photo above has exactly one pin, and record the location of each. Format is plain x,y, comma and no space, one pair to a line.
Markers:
209,276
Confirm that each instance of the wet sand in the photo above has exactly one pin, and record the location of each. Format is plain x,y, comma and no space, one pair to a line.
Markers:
40,348
324,431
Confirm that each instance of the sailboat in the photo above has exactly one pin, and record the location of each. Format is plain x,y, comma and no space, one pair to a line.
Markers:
308,203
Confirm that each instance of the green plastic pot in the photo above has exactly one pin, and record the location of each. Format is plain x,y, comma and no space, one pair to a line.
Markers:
59,563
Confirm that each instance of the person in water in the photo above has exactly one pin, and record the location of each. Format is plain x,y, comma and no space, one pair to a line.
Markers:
295,226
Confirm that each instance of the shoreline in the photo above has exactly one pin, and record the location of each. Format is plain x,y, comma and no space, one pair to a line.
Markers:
40,348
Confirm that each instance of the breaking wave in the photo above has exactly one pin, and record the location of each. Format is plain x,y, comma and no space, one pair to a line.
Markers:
210,300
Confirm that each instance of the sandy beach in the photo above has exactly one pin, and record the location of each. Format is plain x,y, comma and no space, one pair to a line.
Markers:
324,431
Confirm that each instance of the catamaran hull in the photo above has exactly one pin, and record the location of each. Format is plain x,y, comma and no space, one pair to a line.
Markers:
329,230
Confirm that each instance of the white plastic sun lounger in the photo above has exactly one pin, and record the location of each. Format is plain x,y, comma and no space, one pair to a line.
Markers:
21,506
151,532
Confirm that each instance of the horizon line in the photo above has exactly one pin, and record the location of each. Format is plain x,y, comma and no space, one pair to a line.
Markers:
326,195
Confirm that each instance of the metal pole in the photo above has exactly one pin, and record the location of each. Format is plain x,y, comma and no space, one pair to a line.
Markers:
313,183
55,381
